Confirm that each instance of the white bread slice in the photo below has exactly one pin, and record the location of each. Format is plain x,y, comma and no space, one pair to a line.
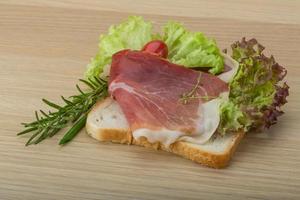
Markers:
107,123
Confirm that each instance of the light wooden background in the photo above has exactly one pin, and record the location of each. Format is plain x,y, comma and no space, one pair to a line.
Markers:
44,48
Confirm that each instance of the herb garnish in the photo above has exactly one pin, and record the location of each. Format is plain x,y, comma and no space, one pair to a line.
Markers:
186,97
74,111
192,94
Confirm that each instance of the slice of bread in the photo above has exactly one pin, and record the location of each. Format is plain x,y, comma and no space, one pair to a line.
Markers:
107,123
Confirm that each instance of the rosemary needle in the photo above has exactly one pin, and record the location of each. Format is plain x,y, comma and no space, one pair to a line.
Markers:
75,111
72,132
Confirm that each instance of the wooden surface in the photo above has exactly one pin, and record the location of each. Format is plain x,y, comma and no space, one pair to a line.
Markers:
44,48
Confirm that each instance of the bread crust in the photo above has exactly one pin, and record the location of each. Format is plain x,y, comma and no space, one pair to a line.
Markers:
183,149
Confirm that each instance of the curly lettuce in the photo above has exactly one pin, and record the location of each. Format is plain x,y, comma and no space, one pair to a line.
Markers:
192,49
256,92
131,34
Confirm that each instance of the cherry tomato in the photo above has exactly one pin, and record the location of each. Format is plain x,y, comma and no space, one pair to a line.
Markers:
157,47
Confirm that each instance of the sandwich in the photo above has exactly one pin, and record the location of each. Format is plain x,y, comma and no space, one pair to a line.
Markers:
175,91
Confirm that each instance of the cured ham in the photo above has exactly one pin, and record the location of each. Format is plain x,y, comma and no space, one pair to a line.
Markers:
230,69
164,101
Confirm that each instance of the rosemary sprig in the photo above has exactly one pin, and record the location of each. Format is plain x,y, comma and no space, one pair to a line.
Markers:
74,111
192,94
186,97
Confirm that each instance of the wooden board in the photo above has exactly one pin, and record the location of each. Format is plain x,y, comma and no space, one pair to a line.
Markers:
44,48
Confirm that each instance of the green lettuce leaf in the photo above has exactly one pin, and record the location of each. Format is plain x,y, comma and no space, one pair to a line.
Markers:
192,49
256,93
131,34
185,47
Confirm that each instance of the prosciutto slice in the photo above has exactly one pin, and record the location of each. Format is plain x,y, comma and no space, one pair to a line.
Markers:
150,91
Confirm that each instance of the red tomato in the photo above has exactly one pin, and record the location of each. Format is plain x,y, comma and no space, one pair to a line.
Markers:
157,47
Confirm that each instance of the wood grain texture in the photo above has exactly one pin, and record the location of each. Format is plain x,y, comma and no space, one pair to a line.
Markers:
44,48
